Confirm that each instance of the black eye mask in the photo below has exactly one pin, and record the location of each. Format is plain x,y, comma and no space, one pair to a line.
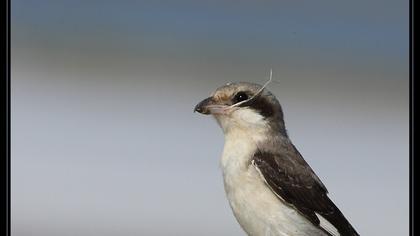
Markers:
239,97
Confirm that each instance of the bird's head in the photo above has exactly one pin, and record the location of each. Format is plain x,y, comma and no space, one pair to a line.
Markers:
243,105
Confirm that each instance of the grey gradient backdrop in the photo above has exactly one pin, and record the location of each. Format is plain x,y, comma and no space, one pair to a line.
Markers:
104,141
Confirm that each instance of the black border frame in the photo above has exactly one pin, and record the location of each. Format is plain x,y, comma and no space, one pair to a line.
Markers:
6,10
6,82
411,117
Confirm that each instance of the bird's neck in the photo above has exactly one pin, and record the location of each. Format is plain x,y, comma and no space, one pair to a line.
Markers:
240,146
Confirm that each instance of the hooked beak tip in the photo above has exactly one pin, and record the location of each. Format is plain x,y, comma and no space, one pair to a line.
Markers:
201,107
197,109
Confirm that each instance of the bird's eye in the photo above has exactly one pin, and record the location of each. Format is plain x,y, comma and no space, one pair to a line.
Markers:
239,97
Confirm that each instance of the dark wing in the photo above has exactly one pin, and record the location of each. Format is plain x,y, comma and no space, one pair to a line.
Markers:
292,179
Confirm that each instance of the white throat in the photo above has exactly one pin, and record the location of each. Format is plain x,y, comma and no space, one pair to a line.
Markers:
243,129
245,119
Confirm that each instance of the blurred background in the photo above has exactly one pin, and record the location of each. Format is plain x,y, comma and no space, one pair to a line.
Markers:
105,141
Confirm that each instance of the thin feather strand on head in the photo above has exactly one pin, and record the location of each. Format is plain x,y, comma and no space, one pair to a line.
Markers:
256,94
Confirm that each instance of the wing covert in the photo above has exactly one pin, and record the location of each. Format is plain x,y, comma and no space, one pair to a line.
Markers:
290,177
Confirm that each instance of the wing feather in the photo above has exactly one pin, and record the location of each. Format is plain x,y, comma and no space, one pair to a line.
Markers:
290,177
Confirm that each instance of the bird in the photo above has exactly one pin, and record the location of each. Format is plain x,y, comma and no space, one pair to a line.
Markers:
270,187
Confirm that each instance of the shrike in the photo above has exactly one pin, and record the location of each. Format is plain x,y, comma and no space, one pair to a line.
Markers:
270,187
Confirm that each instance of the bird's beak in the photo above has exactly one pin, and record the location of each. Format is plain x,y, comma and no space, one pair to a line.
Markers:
202,107
209,106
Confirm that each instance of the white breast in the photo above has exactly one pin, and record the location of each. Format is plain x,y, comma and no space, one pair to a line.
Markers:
258,210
